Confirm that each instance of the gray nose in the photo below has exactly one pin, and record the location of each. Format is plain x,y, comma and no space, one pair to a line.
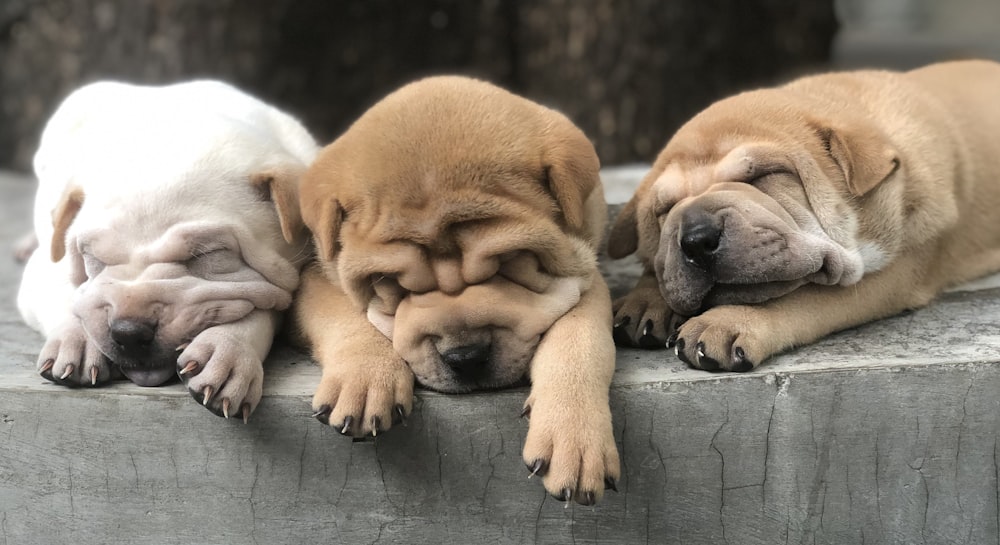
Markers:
132,333
700,235
467,359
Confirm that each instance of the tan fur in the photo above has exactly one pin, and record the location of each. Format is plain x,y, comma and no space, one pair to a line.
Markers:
455,214
886,180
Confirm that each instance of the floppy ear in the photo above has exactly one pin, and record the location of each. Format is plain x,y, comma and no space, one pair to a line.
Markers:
624,237
281,187
324,218
62,217
863,153
572,170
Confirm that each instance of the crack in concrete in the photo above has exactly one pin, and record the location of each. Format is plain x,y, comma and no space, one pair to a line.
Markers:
302,458
996,481
722,462
72,506
253,506
347,475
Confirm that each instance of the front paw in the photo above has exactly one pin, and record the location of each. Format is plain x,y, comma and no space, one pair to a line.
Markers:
223,373
643,319
571,445
70,359
727,338
358,399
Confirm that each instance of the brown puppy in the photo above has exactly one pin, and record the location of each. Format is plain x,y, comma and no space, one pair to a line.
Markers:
781,215
456,226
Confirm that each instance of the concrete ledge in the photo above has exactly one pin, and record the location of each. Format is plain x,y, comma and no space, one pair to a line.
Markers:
883,434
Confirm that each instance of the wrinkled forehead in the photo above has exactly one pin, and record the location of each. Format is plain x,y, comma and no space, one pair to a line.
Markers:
725,162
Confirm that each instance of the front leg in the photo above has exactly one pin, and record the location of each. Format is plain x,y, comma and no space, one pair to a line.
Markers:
223,366
642,317
570,439
365,386
740,337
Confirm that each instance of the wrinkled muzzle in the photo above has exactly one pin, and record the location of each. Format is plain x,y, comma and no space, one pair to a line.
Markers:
483,337
735,247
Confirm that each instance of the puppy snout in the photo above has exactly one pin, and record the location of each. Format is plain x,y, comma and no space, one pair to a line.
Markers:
132,333
699,238
467,359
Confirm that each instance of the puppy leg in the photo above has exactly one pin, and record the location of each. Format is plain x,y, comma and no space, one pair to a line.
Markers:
365,386
739,337
570,440
45,299
223,366
642,317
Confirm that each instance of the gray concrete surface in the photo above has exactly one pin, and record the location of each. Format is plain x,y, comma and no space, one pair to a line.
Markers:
886,433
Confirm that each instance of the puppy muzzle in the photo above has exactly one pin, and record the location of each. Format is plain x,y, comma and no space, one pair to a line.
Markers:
715,251
483,337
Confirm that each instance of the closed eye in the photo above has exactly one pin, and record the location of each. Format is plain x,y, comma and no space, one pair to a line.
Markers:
214,261
92,265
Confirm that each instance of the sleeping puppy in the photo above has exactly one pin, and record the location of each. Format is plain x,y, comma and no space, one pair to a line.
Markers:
160,245
456,226
778,216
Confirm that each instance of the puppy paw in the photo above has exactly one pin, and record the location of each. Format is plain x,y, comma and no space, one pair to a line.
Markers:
727,338
222,373
572,447
643,319
365,399
70,359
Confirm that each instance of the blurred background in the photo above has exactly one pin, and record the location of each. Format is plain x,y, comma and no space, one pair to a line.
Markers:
628,72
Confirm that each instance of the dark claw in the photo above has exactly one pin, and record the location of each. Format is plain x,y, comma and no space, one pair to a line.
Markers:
526,412
376,425
346,428
704,362
565,495
742,364
323,414
679,350
620,336
610,482
624,321
538,467
588,498
648,340
398,415
672,339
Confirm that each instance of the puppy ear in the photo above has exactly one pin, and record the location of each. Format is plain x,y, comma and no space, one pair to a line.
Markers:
572,170
62,217
324,219
863,153
281,187
624,237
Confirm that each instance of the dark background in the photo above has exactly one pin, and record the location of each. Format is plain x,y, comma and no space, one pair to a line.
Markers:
628,72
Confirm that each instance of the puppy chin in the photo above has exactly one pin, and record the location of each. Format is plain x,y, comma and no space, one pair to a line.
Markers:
145,368
149,377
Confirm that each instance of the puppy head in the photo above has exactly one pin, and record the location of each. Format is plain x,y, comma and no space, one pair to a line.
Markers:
759,195
172,231
459,218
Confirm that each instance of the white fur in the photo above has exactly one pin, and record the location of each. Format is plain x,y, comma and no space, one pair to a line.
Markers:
153,164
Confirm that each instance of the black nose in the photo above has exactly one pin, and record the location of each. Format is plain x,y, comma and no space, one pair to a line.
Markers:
467,359
132,333
700,235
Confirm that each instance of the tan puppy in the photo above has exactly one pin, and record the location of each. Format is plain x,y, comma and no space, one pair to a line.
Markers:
456,227
781,215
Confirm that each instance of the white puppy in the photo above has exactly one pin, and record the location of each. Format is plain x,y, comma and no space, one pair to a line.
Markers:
160,249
